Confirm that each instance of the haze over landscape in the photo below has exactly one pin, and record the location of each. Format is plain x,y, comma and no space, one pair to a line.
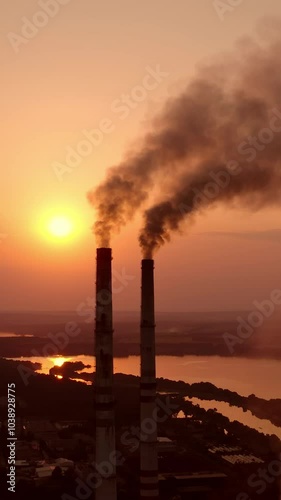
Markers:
48,105
140,244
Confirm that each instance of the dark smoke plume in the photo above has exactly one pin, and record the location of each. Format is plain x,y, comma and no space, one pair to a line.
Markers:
217,142
254,185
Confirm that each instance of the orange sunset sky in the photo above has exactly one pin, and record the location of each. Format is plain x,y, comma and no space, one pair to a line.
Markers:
71,76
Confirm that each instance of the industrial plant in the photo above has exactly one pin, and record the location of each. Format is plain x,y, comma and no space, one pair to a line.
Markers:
86,413
104,393
104,398
146,461
124,437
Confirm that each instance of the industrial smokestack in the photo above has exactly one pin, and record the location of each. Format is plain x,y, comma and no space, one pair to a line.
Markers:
148,440
104,398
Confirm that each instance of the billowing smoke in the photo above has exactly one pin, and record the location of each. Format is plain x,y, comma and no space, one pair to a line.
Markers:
254,185
127,186
219,141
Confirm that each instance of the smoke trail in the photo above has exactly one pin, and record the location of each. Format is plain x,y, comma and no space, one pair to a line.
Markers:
254,185
221,116
127,185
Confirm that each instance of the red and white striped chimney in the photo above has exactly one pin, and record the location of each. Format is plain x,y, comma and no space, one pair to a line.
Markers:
148,440
104,398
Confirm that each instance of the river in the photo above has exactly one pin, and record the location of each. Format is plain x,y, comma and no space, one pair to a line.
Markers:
244,376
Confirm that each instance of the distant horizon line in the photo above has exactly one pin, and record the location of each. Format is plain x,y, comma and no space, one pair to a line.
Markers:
61,311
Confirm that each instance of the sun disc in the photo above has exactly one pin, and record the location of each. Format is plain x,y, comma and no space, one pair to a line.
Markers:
59,361
60,227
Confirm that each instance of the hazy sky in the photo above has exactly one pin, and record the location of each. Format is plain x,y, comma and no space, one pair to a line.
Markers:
69,75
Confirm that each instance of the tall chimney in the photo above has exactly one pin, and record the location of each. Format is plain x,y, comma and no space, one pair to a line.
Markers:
104,398
148,439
